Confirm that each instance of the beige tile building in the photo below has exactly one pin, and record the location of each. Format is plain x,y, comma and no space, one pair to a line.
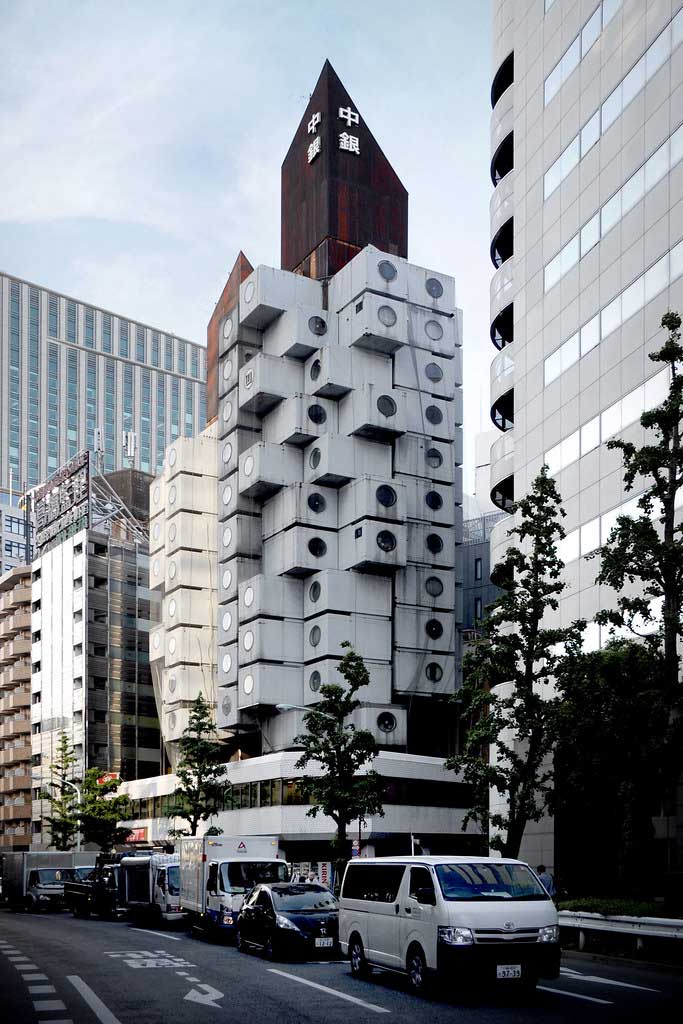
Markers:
586,239
15,709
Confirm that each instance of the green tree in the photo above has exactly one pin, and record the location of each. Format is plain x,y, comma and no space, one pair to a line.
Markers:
60,792
202,776
512,727
333,742
101,810
644,555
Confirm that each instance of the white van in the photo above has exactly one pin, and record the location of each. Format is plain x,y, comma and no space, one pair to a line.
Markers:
464,917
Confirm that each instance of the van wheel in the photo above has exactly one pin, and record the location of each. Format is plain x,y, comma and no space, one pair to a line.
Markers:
417,970
359,965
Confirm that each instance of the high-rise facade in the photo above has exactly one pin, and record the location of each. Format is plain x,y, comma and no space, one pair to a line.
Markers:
586,238
69,369
15,709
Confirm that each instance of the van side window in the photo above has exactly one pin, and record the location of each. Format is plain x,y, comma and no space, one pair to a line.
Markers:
212,880
264,901
420,879
378,883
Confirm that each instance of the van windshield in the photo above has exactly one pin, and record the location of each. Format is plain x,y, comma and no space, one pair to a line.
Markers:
489,882
51,876
239,876
82,871
173,876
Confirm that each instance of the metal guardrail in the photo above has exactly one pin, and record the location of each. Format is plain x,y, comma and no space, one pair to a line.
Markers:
640,927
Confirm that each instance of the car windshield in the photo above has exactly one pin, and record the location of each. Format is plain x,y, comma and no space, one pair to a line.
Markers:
82,871
489,882
303,899
239,876
173,877
55,876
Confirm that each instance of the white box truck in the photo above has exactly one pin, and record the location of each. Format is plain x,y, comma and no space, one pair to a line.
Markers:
216,873
151,885
35,880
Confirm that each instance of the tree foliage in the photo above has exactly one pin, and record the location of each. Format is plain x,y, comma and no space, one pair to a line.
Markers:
346,789
63,818
202,776
512,726
101,810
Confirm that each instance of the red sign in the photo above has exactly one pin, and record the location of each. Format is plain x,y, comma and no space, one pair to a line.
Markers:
137,835
108,777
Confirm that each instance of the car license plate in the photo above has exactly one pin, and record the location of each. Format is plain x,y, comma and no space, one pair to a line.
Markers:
324,943
509,971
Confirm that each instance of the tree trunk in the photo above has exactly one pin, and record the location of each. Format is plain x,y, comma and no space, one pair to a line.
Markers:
342,855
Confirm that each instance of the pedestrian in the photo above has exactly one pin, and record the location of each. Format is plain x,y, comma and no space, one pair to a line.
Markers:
312,878
547,880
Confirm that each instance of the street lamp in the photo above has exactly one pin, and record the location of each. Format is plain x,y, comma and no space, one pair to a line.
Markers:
79,797
300,707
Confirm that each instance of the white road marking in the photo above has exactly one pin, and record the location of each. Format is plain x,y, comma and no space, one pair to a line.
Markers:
48,1005
161,935
16,958
574,995
42,990
182,974
208,997
332,991
26,967
620,984
35,977
102,1012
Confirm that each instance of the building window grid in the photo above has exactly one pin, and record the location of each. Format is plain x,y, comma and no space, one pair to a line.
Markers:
182,357
128,398
155,348
161,421
53,408
14,381
579,47
140,345
608,216
202,406
91,403
194,362
168,354
72,403
189,409
146,422
89,328
53,316
71,322
620,97
659,276
110,416
175,408
106,333
34,388
124,346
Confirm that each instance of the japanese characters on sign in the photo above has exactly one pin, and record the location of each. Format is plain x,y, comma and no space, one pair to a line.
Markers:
347,142
61,507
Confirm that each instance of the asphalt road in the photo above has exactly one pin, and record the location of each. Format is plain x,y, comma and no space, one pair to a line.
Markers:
55,969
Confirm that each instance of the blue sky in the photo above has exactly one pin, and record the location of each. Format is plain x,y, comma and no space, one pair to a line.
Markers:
142,144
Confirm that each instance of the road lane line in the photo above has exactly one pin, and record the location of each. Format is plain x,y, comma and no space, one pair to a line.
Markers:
333,991
574,995
48,1005
16,958
42,990
620,984
172,938
26,967
35,977
102,1012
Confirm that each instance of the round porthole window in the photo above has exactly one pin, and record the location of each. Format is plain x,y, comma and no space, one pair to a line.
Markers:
226,706
171,645
314,458
227,329
314,681
172,683
227,452
172,570
434,414
386,722
314,591
248,465
249,292
386,316
434,372
317,325
172,457
386,540
227,412
227,662
386,405
434,672
249,597
227,369
248,684
172,531
316,414
227,579
156,641
314,636
227,494
156,567
434,458
156,532
248,641
172,608
227,536
434,287
171,720
434,586
386,495
434,330
387,270
316,367
156,495
172,496
434,500
434,543
316,502
434,629
227,621
317,547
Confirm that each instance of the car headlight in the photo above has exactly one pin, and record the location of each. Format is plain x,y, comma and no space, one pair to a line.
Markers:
284,922
456,936
551,933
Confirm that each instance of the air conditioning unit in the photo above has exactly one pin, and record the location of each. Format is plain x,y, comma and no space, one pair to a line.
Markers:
267,380
267,293
265,468
300,331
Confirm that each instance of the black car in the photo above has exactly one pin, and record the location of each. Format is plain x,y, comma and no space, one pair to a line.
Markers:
290,919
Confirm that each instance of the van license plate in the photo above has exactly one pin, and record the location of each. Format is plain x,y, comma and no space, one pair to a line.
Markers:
509,971
325,943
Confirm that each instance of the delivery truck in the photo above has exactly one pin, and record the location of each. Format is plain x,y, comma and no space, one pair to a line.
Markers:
99,892
35,880
151,885
216,873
